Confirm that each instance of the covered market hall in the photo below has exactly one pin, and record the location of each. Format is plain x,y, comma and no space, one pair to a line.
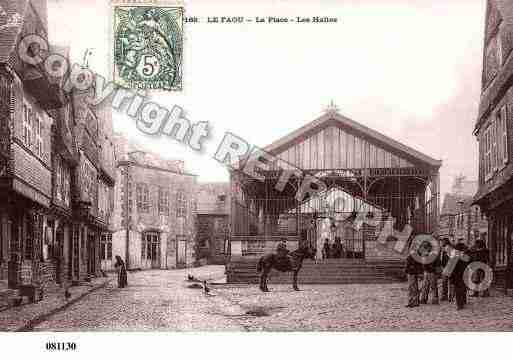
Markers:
356,170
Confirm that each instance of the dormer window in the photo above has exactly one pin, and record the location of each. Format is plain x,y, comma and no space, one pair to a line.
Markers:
491,61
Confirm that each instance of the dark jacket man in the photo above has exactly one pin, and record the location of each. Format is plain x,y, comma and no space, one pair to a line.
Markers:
412,266
457,274
281,249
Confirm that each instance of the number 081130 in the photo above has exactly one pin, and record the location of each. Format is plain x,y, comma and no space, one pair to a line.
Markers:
61,346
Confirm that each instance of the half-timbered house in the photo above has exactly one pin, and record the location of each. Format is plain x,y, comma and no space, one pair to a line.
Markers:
28,97
494,132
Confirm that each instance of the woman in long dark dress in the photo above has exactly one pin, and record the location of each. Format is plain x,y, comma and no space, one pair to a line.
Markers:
122,278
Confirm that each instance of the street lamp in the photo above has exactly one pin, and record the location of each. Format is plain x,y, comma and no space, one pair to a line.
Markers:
127,164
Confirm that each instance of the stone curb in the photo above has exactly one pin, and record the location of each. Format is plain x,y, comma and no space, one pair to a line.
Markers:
30,324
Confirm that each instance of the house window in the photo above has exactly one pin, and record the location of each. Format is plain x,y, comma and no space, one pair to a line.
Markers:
38,140
27,127
181,204
503,134
106,247
150,246
143,197
495,144
66,185
32,129
89,181
163,201
501,232
58,179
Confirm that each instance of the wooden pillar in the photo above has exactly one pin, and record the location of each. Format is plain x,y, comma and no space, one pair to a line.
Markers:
509,270
5,238
83,251
65,255
492,238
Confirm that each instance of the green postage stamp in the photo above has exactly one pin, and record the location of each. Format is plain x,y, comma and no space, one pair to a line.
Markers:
148,47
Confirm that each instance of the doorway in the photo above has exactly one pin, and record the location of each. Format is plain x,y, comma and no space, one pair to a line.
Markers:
150,250
181,251
91,253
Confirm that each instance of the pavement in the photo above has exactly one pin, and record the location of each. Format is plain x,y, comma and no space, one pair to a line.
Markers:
153,300
25,316
357,307
162,300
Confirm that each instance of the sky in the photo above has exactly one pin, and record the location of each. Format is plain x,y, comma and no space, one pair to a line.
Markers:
408,69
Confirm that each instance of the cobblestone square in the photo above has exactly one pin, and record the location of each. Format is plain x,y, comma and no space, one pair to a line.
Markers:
161,300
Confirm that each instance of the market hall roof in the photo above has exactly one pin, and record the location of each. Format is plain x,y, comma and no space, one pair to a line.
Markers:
333,119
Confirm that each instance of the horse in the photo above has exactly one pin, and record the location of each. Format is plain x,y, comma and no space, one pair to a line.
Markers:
291,263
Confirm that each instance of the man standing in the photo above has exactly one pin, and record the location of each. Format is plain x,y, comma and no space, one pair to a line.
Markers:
413,270
430,285
326,249
337,248
444,260
460,289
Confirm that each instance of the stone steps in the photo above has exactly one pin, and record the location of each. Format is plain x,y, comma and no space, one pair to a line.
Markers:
324,272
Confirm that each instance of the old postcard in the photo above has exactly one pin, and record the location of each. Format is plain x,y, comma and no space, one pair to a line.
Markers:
260,166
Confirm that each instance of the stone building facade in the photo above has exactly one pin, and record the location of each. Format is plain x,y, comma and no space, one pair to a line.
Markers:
212,222
153,218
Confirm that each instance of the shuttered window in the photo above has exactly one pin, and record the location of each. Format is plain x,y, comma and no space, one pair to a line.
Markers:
143,197
163,201
181,204
106,246
494,142
504,134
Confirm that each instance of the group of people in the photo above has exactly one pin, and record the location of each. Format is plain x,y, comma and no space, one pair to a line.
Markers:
335,250
428,266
